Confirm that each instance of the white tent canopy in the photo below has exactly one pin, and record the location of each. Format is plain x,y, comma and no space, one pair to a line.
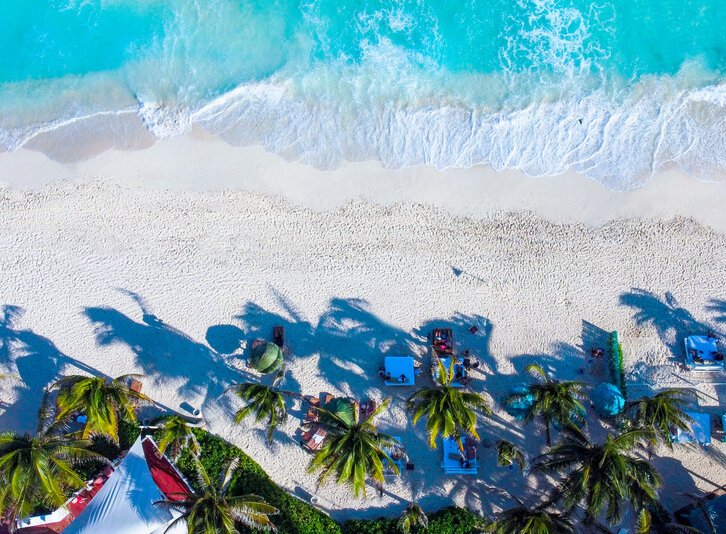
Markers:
125,503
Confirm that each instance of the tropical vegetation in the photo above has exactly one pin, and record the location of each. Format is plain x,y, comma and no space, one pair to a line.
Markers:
663,413
647,522
449,411
602,477
211,509
353,451
509,454
264,402
451,520
175,436
39,469
554,401
103,401
524,520
413,518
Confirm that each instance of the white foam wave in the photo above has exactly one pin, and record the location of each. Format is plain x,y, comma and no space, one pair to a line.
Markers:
163,121
618,137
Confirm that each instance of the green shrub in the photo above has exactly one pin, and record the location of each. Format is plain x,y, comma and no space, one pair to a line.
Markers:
450,520
455,520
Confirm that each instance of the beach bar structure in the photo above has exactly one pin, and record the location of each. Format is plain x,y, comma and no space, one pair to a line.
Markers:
457,461
124,504
702,353
399,370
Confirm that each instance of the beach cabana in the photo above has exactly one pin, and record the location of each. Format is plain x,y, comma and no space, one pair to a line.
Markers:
125,503
518,408
266,358
702,353
700,430
400,369
607,399
458,462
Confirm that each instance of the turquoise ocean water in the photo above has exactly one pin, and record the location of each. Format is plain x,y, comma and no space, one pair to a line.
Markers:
615,89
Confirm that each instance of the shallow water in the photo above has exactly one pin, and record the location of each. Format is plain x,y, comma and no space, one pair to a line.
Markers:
614,90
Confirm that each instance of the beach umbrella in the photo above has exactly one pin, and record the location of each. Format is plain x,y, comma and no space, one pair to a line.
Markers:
343,408
517,408
607,399
266,358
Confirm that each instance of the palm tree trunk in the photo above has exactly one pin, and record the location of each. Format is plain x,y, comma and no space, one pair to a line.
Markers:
547,433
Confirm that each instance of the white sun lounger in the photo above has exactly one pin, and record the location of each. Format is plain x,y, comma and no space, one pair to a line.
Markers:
701,353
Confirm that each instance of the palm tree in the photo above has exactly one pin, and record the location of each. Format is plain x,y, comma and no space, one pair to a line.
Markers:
648,523
353,451
102,400
663,413
508,453
39,468
413,517
265,402
177,435
558,402
211,509
602,476
524,520
448,410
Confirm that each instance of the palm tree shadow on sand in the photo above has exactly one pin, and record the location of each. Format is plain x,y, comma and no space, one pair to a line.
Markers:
165,352
351,340
718,307
671,321
36,361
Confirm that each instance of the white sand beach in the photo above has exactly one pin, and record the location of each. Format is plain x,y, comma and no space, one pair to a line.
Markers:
168,261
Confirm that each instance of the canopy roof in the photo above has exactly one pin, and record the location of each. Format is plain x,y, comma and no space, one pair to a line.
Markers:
266,358
399,367
125,503
608,399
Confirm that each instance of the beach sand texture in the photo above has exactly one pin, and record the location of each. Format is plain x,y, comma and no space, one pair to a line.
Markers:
103,278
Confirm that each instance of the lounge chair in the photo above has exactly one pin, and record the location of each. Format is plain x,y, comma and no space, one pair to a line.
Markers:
398,456
458,462
313,414
702,353
399,371
442,340
313,439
